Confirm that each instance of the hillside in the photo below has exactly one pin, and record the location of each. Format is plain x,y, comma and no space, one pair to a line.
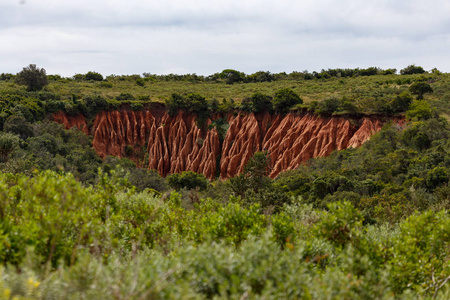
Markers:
303,185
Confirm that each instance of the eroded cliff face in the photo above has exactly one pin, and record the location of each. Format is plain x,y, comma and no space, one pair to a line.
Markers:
176,144
78,121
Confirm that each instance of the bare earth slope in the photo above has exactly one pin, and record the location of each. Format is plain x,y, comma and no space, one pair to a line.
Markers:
176,144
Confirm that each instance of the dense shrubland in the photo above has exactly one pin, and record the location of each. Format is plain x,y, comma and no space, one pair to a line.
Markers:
364,223
61,239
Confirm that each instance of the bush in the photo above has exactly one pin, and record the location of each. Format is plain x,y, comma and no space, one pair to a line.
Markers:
261,102
33,77
420,88
284,99
187,179
93,76
342,225
232,76
140,82
436,177
419,110
412,69
95,104
8,143
18,125
401,102
125,96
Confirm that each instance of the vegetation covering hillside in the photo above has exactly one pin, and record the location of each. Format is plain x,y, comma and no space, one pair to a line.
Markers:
364,223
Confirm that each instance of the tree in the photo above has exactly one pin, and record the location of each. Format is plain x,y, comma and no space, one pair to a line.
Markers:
284,99
419,110
93,76
33,77
420,88
261,102
412,69
231,76
188,179
401,102
18,125
255,176
8,143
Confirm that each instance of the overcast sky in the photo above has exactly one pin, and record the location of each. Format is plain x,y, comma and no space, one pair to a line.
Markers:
205,36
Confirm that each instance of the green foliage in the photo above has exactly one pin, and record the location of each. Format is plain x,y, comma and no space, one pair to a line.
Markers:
94,104
93,76
124,97
419,260
412,69
260,76
436,176
401,102
8,143
191,102
187,179
255,175
18,125
232,76
342,225
74,233
420,88
284,99
283,230
140,82
33,77
419,110
261,102
328,106
59,231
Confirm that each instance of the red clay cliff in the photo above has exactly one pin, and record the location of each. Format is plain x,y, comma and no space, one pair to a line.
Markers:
174,144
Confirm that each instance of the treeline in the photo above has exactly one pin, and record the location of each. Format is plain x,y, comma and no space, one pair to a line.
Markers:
231,76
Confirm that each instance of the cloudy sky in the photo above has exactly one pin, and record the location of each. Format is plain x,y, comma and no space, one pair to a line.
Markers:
206,36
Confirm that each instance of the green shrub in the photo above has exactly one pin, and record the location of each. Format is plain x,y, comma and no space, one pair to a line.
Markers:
140,82
93,76
8,143
420,88
419,110
342,225
187,179
420,251
283,230
412,69
33,77
401,102
18,125
284,99
261,102
124,96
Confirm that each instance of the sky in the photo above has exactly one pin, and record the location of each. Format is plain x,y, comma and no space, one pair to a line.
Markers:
67,37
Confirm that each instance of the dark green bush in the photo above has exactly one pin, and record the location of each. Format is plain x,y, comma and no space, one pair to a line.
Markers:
284,99
187,179
33,77
412,69
93,76
420,88
125,96
18,125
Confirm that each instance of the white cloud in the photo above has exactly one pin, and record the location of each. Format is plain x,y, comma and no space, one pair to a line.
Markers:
203,37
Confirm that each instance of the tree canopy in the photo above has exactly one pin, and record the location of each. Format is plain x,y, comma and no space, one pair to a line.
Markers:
33,77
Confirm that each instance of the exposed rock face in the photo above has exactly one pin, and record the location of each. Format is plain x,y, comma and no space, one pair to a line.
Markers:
176,144
71,121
